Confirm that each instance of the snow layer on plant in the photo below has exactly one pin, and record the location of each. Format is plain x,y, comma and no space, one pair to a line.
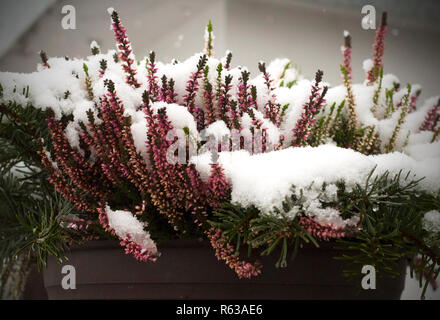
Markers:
282,70
178,115
295,97
424,151
367,64
139,133
72,135
264,180
363,96
125,224
94,44
431,221
218,130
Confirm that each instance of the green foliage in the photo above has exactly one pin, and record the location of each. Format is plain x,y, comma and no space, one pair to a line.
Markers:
389,102
344,135
284,109
30,221
403,112
286,67
234,220
219,70
86,69
271,233
390,210
30,210
246,227
88,82
20,128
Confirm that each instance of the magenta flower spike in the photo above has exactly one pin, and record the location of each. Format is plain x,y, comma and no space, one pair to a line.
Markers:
432,118
346,53
153,86
192,88
307,119
272,109
378,50
125,51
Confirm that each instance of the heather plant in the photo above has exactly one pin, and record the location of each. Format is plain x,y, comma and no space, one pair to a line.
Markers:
266,164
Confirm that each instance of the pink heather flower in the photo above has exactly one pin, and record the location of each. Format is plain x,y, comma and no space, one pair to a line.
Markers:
141,209
378,50
153,86
264,140
176,187
210,116
44,59
253,99
311,108
228,60
192,87
130,231
79,224
235,116
272,109
223,106
413,101
244,99
226,252
103,67
137,251
172,95
164,89
111,110
125,51
319,231
167,93
72,162
346,53
219,188
432,118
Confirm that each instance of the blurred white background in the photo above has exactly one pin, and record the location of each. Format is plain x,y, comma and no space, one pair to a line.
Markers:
307,32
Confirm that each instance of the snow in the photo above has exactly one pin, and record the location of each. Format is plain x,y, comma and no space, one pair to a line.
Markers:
431,221
125,224
178,115
71,132
296,97
424,151
217,130
264,180
94,44
139,133
367,65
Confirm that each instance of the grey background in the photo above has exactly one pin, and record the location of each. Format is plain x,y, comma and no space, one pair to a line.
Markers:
307,32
